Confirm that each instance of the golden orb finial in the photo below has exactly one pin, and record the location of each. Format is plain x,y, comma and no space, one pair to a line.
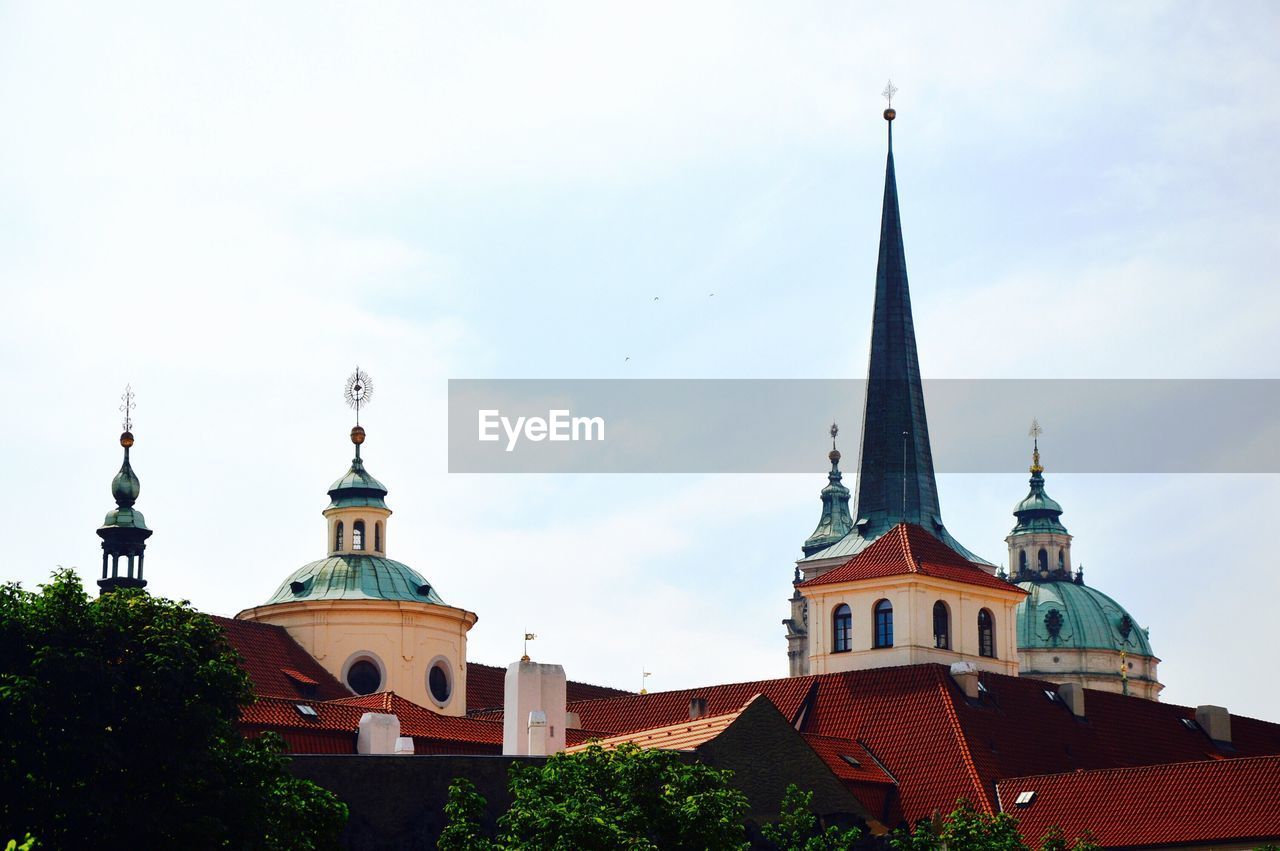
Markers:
357,435
126,439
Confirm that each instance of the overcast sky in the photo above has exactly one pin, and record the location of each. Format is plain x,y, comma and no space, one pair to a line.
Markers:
231,205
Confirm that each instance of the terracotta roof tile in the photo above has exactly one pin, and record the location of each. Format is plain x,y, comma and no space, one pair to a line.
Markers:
907,548
686,735
1229,800
276,664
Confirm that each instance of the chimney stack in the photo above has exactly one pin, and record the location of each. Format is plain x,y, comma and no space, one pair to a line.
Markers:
533,709
1216,722
697,708
1072,695
379,734
966,676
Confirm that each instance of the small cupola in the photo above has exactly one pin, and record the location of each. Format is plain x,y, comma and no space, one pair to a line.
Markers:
1039,545
835,521
124,532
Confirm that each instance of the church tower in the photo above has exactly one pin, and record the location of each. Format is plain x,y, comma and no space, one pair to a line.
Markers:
376,624
124,532
1067,631
893,587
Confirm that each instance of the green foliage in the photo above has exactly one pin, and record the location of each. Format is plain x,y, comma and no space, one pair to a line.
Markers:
28,844
463,812
628,797
119,719
964,829
797,827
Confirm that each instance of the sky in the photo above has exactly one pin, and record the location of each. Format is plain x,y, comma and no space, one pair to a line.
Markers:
230,206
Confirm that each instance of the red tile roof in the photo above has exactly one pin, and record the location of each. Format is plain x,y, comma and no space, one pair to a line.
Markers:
485,685
685,735
633,712
938,745
1229,800
277,665
905,549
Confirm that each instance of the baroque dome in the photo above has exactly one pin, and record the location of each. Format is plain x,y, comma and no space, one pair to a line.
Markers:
356,577
1070,615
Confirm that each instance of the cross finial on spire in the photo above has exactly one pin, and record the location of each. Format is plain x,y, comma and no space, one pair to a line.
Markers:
1034,433
889,91
126,407
835,429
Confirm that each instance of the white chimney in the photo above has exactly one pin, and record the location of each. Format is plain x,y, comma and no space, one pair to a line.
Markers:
379,733
1072,695
533,709
404,746
966,676
1216,721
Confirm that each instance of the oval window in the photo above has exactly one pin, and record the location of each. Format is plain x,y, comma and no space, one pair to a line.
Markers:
363,677
438,683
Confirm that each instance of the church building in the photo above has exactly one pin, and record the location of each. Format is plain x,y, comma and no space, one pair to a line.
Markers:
919,674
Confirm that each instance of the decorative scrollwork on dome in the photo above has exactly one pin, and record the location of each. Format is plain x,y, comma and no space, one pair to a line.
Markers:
1053,622
1126,626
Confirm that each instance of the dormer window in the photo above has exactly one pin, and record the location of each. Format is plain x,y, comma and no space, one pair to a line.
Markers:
337,537
357,535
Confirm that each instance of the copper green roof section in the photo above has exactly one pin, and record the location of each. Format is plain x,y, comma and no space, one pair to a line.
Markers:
1070,615
356,577
357,488
835,521
1038,512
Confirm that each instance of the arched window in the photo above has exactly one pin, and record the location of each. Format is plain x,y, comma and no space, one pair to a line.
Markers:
841,629
1043,559
377,537
1062,560
884,624
987,634
1022,562
337,537
357,535
941,626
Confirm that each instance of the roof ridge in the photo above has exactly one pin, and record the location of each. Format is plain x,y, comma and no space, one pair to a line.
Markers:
957,730
1155,766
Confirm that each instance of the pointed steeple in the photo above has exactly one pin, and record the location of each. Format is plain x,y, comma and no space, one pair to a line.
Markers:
896,481
124,532
835,522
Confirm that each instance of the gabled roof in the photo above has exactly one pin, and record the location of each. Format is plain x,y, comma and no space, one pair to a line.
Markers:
906,549
674,737
276,664
1229,800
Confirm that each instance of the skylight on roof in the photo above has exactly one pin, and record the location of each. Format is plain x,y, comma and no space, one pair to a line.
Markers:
1190,724
1024,799
306,711
849,759
1051,694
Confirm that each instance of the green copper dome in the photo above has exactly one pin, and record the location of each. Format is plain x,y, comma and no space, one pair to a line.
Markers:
356,577
1038,512
1071,615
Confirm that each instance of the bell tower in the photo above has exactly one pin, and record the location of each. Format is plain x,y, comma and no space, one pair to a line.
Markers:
1039,545
124,532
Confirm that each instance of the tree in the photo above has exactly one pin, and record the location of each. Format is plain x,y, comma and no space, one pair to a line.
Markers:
627,797
797,827
119,720
463,811
964,829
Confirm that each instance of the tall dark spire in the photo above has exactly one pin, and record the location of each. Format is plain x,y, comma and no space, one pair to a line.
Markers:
895,467
124,532
895,482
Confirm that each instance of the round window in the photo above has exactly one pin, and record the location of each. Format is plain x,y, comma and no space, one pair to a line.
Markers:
363,677
438,682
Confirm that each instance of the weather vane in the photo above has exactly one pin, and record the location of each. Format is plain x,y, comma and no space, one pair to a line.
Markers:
126,407
889,91
359,391
528,636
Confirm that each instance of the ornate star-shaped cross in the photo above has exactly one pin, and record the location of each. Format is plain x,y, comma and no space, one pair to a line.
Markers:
889,91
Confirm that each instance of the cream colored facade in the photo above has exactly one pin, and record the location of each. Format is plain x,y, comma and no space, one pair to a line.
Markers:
403,640
1094,668
913,597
